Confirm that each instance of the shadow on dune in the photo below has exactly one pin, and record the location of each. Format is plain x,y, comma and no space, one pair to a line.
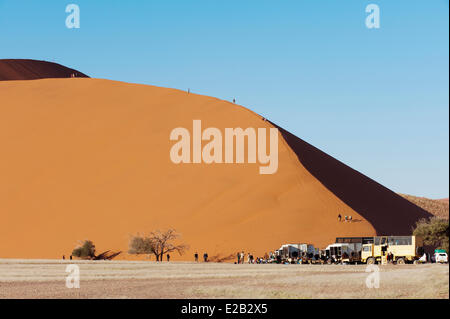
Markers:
23,69
389,213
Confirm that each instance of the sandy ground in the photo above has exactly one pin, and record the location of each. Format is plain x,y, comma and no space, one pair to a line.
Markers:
128,279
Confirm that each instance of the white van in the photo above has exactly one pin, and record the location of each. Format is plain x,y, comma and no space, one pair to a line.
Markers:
441,257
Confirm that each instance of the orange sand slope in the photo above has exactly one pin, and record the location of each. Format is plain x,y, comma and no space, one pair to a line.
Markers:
89,159
23,69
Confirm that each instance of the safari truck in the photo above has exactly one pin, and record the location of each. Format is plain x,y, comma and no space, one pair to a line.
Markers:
404,249
345,253
335,252
346,250
295,251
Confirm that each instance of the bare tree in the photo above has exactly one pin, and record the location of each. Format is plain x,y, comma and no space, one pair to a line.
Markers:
157,243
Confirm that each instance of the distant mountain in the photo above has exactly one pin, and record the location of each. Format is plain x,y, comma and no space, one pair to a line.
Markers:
23,69
437,207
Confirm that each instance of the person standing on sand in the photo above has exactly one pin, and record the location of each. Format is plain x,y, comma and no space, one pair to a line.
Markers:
70,257
339,217
346,218
64,257
168,257
350,219
239,258
242,257
205,257
196,257
234,101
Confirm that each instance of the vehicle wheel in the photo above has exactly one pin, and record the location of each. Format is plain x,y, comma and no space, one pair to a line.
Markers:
329,261
370,261
400,261
416,262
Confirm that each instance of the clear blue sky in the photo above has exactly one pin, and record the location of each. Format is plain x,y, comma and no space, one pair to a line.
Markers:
376,99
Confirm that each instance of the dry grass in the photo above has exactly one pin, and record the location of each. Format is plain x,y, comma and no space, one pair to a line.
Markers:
437,207
128,279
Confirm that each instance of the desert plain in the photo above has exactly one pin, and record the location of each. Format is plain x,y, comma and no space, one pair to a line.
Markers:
21,278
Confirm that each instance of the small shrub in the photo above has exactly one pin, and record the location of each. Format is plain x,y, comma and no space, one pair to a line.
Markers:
86,250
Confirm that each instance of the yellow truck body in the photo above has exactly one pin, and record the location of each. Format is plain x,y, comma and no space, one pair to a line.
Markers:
403,249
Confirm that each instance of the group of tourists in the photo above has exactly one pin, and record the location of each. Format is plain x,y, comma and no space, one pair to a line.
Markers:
241,258
205,257
346,218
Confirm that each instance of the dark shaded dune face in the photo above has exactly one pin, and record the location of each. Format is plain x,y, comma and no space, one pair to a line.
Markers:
23,69
389,213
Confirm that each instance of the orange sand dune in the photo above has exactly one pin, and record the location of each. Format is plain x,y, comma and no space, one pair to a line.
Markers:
24,69
89,158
